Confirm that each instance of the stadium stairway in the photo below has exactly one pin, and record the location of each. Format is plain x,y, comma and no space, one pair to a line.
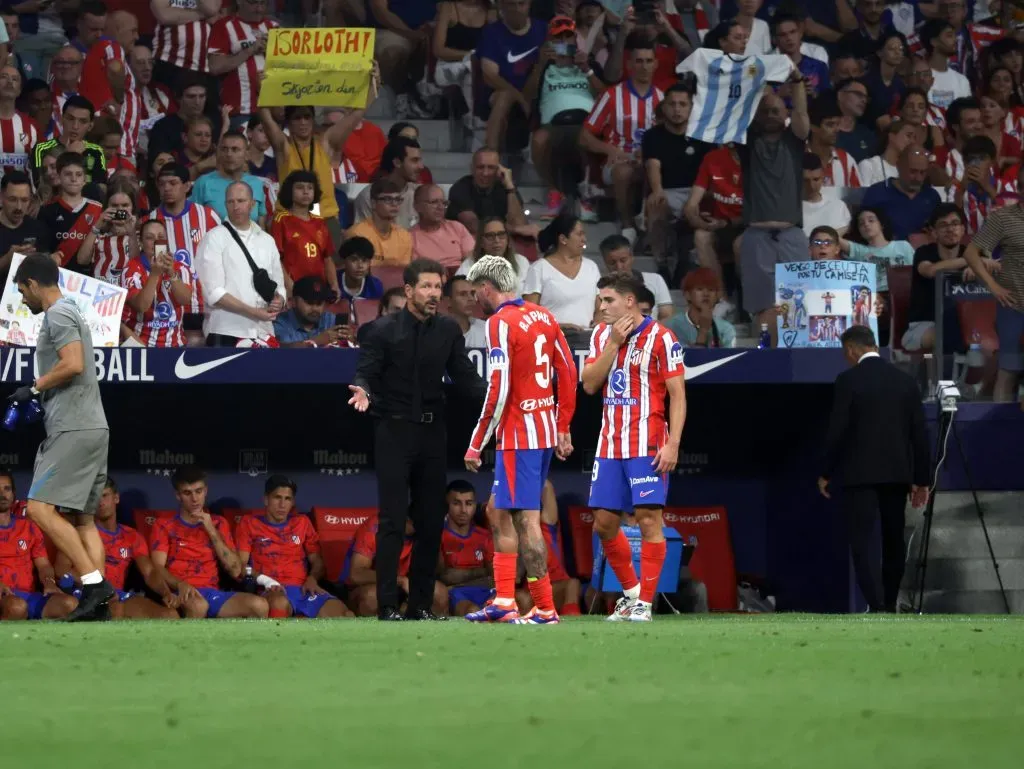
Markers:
960,578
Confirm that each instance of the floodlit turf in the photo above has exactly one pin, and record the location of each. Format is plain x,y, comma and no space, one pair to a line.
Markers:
782,692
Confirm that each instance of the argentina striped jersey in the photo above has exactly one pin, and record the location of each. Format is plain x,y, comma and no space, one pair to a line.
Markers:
729,89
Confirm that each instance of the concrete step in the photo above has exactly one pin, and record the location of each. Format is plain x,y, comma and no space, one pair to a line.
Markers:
959,574
967,601
967,540
998,507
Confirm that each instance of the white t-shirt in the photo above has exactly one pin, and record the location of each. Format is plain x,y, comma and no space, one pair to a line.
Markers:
657,286
828,212
570,300
875,170
476,337
948,85
522,267
760,41
811,51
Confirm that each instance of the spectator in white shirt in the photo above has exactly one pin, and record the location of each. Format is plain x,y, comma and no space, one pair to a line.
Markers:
461,304
493,239
235,311
564,281
821,210
760,36
898,136
940,41
618,257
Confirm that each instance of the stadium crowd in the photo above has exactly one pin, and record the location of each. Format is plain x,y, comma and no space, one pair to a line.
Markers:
133,149
267,563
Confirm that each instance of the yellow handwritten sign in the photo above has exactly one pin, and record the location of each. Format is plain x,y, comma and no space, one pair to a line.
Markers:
318,67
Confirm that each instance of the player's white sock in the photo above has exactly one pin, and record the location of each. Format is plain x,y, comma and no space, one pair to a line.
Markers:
505,603
633,593
92,578
644,604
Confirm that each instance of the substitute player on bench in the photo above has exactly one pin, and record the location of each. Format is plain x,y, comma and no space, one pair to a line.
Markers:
286,558
71,464
636,360
526,348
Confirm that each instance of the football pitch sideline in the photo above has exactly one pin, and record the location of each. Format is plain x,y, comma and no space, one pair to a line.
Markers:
779,692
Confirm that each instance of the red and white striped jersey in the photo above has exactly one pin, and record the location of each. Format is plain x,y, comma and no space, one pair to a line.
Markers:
160,325
270,189
633,421
59,98
621,116
110,257
345,172
156,101
18,135
240,88
95,85
184,232
131,120
526,347
183,45
1013,124
936,116
841,171
953,161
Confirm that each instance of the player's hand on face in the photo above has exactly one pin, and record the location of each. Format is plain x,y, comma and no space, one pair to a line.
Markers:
666,458
360,401
204,518
621,329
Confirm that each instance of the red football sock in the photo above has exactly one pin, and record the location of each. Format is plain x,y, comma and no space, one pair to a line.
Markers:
505,576
278,613
570,610
620,558
540,592
652,556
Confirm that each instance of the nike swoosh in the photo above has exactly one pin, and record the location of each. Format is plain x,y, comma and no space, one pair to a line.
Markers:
184,371
513,59
646,493
693,372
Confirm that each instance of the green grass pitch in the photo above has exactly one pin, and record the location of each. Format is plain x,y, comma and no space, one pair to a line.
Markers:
782,692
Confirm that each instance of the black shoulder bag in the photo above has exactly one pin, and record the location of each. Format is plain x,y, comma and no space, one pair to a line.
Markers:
265,285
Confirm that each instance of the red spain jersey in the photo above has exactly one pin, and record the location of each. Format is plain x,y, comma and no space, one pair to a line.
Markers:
18,135
365,544
161,324
69,226
190,553
21,542
122,546
184,232
110,257
304,244
240,88
183,45
633,421
721,175
279,550
94,84
526,347
841,170
466,551
622,116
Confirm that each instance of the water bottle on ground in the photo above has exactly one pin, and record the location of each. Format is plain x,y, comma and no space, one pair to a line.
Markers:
975,355
764,341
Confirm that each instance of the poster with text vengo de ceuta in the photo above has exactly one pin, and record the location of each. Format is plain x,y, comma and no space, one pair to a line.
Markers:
318,67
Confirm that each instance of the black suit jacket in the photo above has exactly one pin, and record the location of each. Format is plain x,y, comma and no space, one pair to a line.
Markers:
876,433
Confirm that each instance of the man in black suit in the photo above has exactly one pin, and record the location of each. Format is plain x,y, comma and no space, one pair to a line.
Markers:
877,451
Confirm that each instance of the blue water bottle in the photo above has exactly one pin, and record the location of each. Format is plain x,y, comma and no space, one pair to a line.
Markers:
764,342
16,413
11,417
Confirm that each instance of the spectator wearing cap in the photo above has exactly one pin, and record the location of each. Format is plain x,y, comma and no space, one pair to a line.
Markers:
354,278
898,136
235,309
436,237
392,243
402,163
908,194
697,326
231,167
820,209
302,238
461,305
567,89
301,149
308,323
618,257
